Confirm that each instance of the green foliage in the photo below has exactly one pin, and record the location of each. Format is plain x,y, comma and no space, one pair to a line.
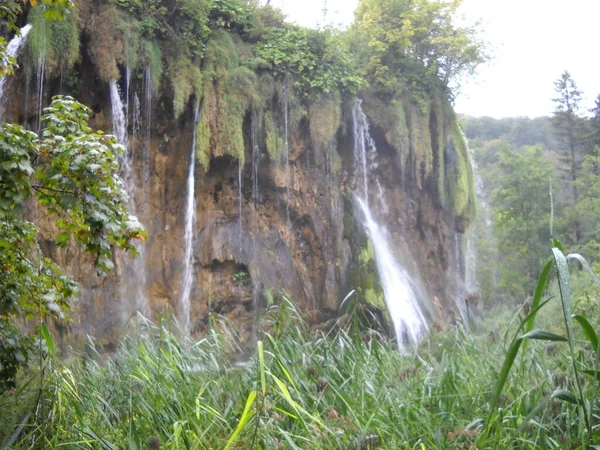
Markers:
582,361
230,90
57,41
521,207
186,79
344,387
151,58
392,36
72,171
317,60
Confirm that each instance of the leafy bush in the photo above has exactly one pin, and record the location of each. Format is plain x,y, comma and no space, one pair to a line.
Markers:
72,172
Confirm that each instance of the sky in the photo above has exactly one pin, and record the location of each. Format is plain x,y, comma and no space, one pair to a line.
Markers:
532,42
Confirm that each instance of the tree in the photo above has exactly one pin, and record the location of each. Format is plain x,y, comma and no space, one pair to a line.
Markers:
521,208
72,172
418,37
569,130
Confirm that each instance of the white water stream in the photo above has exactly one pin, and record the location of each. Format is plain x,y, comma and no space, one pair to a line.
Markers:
12,49
188,233
402,301
133,283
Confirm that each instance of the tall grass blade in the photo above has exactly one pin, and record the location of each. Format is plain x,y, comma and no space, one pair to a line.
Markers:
537,296
15,436
589,332
244,419
586,266
562,267
542,335
566,396
506,366
261,366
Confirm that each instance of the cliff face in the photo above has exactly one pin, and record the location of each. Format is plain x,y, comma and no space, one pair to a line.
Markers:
282,224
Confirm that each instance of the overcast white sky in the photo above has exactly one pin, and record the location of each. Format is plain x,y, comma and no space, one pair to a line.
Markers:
533,42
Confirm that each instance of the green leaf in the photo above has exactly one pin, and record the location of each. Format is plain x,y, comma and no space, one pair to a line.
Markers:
48,339
542,335
593,373
565,396
244,419
62,238
506,366
589,332
557,244
537,296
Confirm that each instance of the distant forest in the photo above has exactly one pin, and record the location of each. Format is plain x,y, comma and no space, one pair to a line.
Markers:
538,179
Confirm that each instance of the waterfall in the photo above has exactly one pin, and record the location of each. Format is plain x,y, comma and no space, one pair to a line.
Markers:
12,49
40,87
254,133
133,281
148,125
286,114
240,206
188,234
363,144
400,296
119,119
400,292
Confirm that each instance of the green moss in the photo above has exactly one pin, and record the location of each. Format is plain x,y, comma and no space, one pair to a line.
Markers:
203,142
186,79
459,176
151,58
375,298
274,142
437,124
325,116
57,40
107,41
230,90
420,143
366,254
390,116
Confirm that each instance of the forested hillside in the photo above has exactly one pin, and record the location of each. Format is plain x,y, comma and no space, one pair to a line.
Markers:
538,181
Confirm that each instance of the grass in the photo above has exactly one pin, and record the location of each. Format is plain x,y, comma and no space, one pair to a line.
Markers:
345,388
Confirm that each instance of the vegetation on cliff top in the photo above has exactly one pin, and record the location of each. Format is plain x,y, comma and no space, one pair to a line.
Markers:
236,58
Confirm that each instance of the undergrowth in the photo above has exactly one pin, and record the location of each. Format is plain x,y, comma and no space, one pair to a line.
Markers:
344,387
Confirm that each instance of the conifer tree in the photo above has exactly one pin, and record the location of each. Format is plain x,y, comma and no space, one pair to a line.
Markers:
569,128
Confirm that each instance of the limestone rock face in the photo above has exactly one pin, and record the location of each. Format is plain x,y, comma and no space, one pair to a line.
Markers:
244,262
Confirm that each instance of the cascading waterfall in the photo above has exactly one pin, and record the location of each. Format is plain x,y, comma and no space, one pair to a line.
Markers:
188,233
12,49
240,200
148,125
363,144
40,87
119,119
482,226
286,113
134,274
410,323
254,127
